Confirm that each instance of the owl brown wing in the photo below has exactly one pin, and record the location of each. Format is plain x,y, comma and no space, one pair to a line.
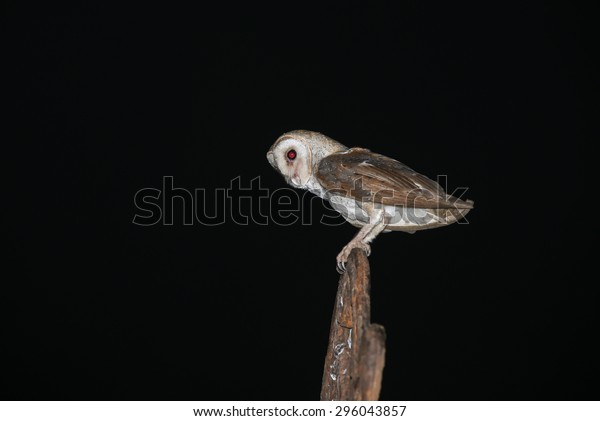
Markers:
367,176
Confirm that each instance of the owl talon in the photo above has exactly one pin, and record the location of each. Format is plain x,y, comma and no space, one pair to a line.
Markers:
342,258
341,261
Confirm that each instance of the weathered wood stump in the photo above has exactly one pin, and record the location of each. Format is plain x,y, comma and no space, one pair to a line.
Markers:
356,352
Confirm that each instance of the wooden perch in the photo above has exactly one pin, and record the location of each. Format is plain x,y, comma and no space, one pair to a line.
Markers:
356,351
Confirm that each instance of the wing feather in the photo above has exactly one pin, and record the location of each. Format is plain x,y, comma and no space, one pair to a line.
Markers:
367,176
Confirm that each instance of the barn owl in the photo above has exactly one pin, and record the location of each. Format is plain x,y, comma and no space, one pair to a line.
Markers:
371,191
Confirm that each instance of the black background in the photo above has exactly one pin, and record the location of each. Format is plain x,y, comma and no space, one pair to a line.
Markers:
111,100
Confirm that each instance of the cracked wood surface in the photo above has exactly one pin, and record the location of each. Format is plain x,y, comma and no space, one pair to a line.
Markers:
356,352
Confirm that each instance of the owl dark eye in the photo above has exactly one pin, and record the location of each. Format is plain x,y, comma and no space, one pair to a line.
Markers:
291,154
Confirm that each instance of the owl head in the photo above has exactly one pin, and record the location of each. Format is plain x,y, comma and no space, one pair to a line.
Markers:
296,155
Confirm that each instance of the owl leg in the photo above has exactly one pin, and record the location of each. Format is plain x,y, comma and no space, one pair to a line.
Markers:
362,239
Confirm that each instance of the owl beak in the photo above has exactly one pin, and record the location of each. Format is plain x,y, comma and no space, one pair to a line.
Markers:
296,181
